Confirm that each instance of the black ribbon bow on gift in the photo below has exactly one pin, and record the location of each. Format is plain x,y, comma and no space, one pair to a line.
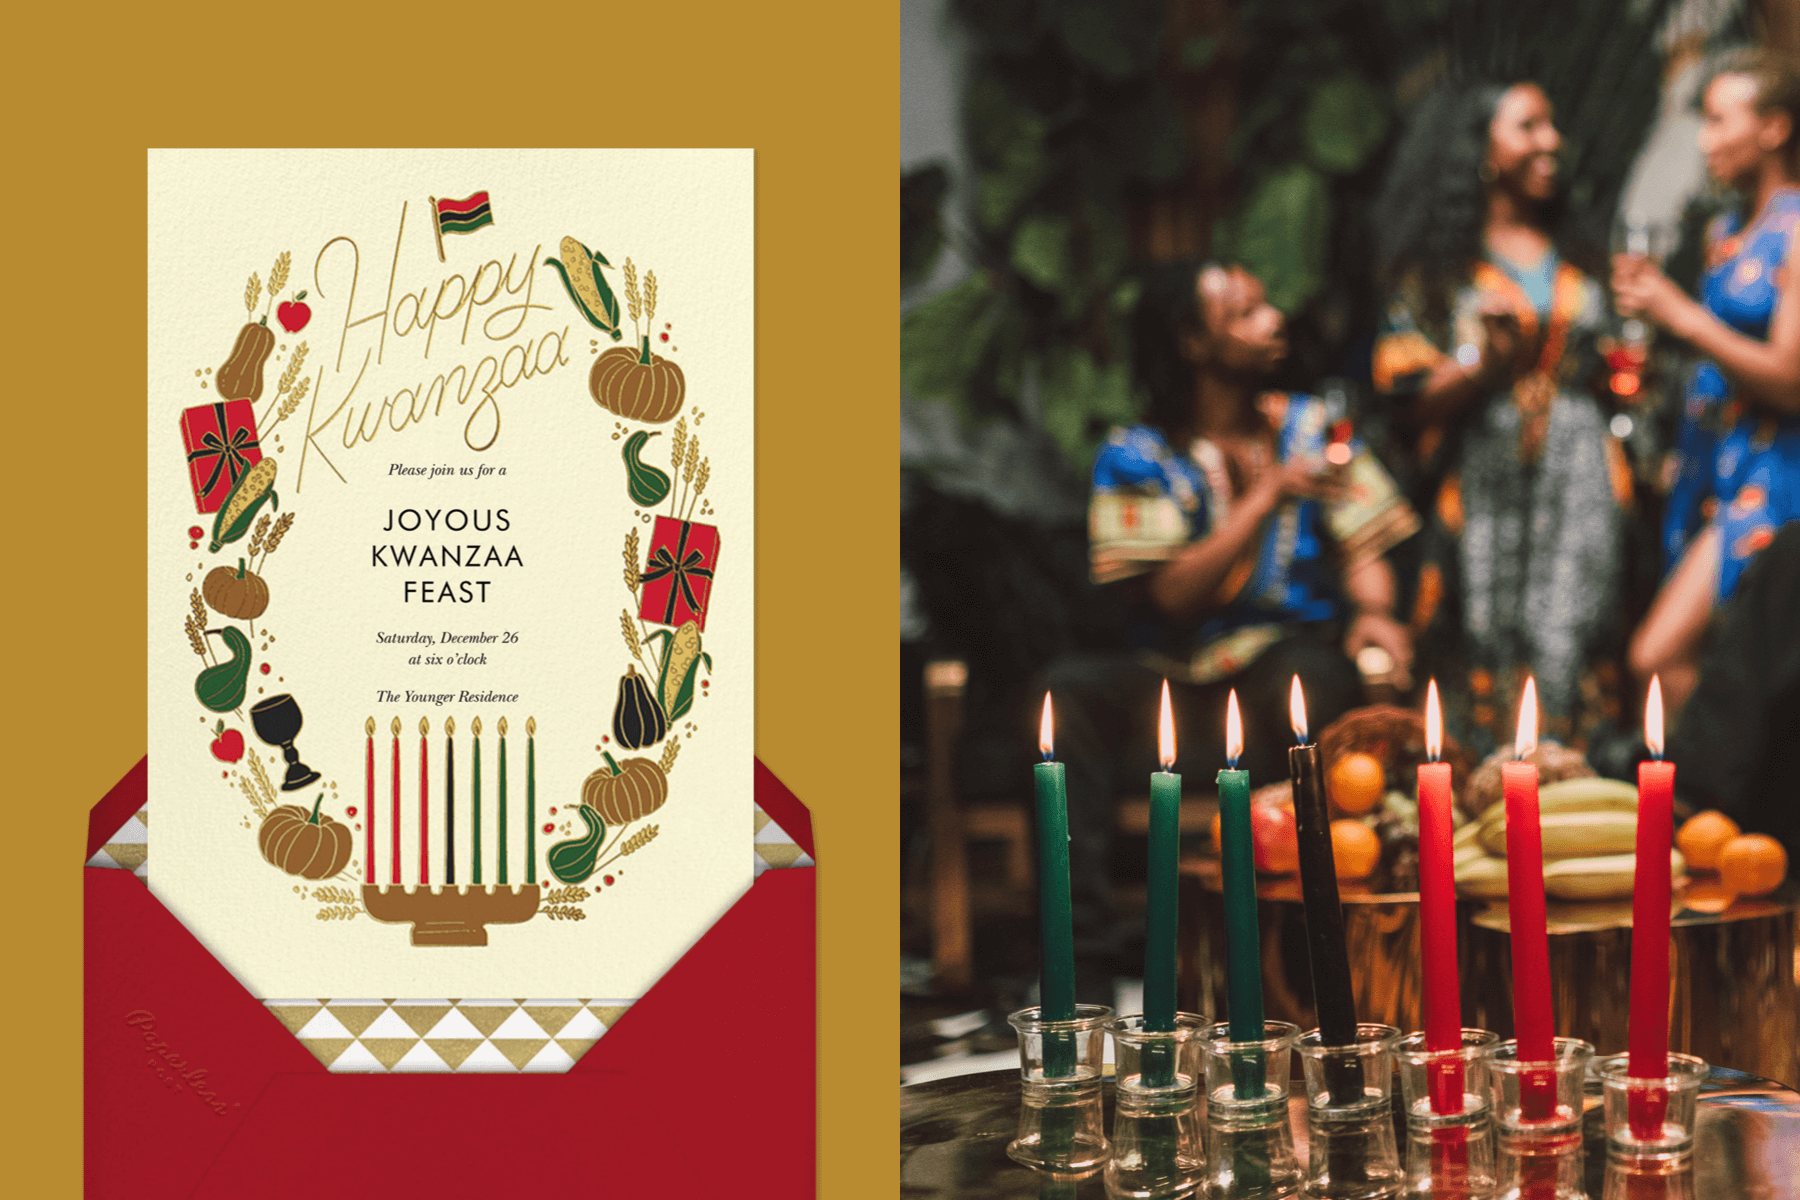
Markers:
229,450
683,566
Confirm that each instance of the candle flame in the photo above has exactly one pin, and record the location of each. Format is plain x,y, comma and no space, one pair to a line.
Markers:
424,726
369,727
475,726
1653,719
530,726
1165,732
1525,740
1297,711
1234,730
1046,731
1434,723
396,726
502,726
449,726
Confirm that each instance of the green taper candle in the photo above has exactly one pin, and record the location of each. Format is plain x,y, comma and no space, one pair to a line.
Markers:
530,800
475,805
1057,930
1243,947
502,813
1160,917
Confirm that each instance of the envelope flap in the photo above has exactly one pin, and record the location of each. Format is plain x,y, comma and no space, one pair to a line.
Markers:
113,809
785,808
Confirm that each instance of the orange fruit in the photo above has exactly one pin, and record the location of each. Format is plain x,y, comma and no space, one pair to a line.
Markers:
1703,835
1356,783
1752,864
1354,848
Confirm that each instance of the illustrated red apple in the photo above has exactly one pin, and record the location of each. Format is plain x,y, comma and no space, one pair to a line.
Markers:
228,744
292,314
1273,840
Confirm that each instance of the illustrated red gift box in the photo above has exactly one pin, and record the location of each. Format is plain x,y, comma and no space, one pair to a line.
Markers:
678,578
221,445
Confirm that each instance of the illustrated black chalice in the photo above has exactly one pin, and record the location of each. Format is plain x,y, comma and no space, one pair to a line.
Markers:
277,721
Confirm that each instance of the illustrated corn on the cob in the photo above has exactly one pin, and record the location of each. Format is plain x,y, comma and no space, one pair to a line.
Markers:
234,519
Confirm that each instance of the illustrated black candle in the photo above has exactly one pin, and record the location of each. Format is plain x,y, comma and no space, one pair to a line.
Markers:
1333,997
449,799
502,812
475,808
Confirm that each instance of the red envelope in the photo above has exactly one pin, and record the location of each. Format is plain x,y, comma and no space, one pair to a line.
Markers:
704,1087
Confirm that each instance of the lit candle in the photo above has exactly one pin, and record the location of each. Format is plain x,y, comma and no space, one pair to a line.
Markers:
1165,851
424,803
530,800
1437,912
502,813
369,804
450,800
475,807
396,820
1333,996
1649,1023
1237,861
1056,930
1532,1019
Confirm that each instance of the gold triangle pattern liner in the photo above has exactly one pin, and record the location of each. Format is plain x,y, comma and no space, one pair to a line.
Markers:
443,1036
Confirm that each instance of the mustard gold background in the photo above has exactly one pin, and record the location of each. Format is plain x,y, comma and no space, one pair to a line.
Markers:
812,87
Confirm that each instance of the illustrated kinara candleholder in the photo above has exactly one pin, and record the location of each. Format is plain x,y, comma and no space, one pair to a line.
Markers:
1249,1142
1156,1135
1061,1129
452,916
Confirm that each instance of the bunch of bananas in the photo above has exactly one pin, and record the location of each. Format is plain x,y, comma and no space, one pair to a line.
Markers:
1590,838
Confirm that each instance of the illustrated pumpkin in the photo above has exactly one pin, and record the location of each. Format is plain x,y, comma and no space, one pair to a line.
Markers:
312,846
623,792
241,378
239,594
638,719
637,385
572,861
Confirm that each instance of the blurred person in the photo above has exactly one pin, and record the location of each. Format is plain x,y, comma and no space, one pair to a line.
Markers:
1738,450
1248,534
1487,343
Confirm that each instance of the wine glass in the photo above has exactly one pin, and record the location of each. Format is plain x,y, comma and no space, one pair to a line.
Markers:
277,721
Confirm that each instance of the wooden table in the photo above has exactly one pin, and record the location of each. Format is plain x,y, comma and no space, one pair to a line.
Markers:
953,1136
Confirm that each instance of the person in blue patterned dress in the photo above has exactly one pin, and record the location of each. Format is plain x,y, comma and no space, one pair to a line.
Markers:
1738,450
1248,533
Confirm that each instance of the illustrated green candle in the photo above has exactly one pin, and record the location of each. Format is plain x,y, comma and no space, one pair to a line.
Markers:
1056,924
502,813
530,799
1243,952
475,804
1160,919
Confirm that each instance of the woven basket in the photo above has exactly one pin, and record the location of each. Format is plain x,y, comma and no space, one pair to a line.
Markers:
1395,737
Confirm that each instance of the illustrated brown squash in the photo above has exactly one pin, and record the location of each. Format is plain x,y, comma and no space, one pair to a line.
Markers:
311,846
240,594
637,385
241,378
623,792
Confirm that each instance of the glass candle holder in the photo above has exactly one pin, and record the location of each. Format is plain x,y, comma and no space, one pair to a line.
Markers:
1647,1179
1537,1120
1667,1106
1249,1143
1449,1146
1060,1124
1156,1134
1351,1150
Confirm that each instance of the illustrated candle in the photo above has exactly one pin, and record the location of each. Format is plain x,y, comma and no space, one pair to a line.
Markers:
502,812
424,803
1437,912
1237,860
369,804
396,821
475,807
530,800
1648,1032
449,799
1055,923
1333,995
1532,1021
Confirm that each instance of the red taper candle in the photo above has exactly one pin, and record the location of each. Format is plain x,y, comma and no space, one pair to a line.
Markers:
1532,1019
1648,1031
396,822
1437,911
369,803
425,803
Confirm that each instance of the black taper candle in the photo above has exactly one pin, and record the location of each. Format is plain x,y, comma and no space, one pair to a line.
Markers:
449,799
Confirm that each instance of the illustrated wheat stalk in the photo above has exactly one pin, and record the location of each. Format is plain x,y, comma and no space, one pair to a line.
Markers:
278,275
632,576
680,443
283,387
566,914
195,639
700,478
633,844
199,607
631,291
566,895
252,292
335,895
649,297
256,535
339,912
667,762
282,524
256,800
262,778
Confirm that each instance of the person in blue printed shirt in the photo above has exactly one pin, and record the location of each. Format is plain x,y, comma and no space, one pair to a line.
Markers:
1250,532
1738,450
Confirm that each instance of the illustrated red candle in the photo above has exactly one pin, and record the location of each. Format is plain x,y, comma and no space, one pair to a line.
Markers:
396,821
369,803
1437,912
1532,1021
1648,1031
424,802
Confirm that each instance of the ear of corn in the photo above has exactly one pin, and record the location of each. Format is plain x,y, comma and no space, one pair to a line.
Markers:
235,517
579,269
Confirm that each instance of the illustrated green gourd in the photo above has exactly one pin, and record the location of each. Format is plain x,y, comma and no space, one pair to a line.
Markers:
254,487
573,861
221,687
241,378
681,660
579,268
638,719
646,484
